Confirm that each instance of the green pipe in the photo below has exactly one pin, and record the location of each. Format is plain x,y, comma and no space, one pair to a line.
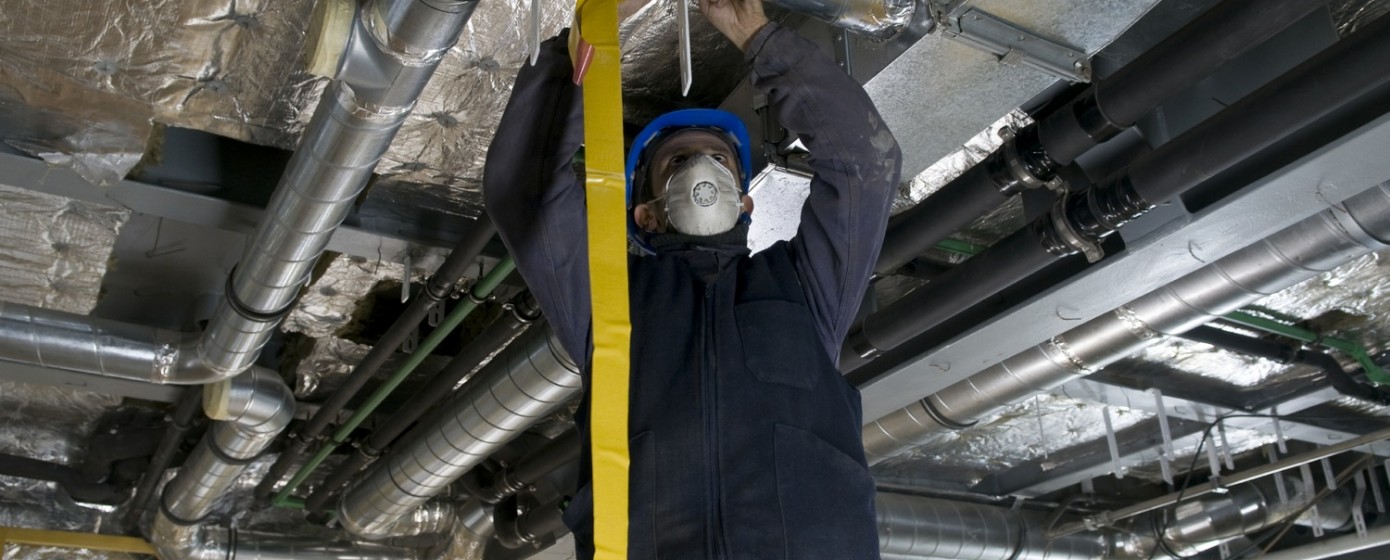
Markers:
480,291
959,247
1373,370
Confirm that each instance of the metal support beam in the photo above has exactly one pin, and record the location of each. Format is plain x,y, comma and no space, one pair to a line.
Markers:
197,209
1331,174
1138,399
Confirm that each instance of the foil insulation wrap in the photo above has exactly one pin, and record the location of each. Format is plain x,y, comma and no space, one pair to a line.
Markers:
51,424
1351,15
945,170
224,66
332,301
17,552
651,76
1037,427
1351,302
1178,356
54,251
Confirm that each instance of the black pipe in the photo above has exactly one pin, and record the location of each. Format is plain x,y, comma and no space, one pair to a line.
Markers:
1115,103
67,478
1336,375
494,487
436,289
524,310
185,412
515,531
1302,105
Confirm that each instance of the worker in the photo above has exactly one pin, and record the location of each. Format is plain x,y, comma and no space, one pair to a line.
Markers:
743,436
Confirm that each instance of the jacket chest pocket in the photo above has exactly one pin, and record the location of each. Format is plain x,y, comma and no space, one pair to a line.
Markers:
780,344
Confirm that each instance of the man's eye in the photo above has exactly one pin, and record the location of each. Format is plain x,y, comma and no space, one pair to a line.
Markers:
678,160
721,158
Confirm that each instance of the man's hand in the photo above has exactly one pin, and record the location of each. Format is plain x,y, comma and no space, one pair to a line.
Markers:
739,20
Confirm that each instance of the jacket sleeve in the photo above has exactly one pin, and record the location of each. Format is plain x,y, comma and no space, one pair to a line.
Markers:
856,164
536,199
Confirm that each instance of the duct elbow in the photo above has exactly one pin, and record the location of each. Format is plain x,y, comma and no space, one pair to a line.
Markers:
257,401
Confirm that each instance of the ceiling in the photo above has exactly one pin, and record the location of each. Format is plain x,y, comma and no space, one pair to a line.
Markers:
143,141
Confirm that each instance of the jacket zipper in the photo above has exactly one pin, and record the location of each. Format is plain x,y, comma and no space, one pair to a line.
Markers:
711,403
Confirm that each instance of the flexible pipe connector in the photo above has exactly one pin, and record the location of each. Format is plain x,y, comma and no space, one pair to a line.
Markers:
532,379
1316,245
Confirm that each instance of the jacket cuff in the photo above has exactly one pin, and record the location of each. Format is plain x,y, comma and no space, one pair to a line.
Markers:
759,40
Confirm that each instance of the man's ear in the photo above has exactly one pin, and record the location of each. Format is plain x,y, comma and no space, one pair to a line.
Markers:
645,218
747,205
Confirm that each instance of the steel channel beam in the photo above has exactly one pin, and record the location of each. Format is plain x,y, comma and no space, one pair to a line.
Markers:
1139,444
192,208
1329,175
1138,399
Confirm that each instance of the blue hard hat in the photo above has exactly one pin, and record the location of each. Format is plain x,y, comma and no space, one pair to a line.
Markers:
724,122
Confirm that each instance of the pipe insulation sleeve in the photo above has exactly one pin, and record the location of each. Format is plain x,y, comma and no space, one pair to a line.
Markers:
1318,244
530,380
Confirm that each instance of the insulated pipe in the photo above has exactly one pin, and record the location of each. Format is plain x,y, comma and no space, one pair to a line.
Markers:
1032,157
1338,377
495,487
1202,524
439,286
530,380
394,49
880,19
72,482
920,527
524,310
180,421
1315,245
1347,75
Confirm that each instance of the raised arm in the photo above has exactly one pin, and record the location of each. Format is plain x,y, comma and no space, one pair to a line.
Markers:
534,196
856,163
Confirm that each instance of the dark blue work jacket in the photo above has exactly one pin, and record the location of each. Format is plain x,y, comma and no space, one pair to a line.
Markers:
745,440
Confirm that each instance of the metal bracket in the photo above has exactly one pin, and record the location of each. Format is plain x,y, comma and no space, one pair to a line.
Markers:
1072,238
1012,44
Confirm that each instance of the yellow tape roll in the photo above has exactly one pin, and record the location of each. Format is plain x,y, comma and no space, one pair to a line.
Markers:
606,184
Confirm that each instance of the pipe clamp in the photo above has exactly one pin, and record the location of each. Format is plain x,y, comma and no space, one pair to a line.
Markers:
1069,234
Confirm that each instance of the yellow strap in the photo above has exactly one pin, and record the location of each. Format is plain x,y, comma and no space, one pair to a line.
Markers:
68,539
606,183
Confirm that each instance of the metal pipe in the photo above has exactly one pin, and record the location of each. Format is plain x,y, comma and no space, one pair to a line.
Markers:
524,310
1203,524
880,19
529,527
1032,157
1346,76
1315,245
476,297
67,478
439,286
394,50
531,379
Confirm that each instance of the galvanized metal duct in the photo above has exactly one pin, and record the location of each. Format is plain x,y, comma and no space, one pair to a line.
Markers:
1203,524
394,48
1315,245
60,340
920,527
530,380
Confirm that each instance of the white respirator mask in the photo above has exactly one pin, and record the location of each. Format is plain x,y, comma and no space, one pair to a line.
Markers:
703,197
